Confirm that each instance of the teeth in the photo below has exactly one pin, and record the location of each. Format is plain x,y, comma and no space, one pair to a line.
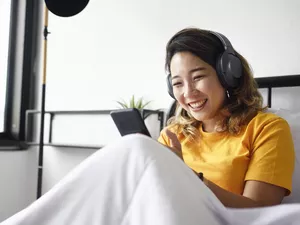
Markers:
197,104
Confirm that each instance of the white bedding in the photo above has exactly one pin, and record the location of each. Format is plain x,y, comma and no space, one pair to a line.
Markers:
139,181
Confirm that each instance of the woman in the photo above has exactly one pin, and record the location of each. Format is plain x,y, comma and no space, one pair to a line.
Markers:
220,128
246,156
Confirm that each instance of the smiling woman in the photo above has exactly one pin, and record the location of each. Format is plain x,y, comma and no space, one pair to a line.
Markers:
220,127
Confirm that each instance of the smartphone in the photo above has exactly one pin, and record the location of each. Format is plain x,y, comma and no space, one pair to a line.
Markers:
129,121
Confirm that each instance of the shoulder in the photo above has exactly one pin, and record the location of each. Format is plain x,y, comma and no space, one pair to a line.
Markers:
264,120
269,132
267,127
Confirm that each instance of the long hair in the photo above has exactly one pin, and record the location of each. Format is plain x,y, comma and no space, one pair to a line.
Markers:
245,100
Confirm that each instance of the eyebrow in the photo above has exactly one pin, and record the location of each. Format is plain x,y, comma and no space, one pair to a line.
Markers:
191,71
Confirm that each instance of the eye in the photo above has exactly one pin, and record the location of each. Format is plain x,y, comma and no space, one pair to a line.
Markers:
198,77
176,84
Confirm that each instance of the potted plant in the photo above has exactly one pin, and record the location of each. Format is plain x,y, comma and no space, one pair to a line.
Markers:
133,103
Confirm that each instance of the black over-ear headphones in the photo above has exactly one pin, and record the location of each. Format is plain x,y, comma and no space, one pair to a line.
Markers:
228,67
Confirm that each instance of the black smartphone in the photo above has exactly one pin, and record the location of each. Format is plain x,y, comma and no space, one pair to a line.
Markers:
129,121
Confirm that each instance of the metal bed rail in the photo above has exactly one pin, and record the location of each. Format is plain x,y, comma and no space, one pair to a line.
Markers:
29,122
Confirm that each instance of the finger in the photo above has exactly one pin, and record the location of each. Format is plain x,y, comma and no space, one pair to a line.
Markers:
171,135
174,142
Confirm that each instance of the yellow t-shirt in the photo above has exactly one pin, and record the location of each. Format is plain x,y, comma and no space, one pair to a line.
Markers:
263,151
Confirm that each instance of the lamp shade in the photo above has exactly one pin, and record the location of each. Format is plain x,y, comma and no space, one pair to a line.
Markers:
66,8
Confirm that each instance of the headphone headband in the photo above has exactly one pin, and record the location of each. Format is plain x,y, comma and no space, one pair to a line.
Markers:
225,42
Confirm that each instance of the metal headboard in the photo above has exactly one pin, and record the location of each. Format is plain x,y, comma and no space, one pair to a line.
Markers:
277,82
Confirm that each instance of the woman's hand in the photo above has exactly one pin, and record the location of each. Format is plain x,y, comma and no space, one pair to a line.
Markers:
175,144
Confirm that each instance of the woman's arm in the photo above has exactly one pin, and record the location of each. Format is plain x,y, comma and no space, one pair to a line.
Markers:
256,194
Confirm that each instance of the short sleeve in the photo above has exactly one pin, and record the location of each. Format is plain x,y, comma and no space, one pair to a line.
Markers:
272,157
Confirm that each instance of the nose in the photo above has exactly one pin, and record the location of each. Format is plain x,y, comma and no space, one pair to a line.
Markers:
189,90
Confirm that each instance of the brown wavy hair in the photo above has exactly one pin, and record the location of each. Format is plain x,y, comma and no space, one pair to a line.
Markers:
245,101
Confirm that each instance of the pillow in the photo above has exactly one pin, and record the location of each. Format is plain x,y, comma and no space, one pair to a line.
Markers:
293,118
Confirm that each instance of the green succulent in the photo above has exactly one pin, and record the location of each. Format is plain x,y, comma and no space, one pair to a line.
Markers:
133,103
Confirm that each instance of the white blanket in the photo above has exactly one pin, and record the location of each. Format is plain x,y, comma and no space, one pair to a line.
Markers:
138,181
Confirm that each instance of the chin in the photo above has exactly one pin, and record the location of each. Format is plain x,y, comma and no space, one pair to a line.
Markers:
201,116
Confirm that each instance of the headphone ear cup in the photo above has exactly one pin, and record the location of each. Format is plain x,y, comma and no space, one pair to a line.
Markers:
220,72
230,70
170,87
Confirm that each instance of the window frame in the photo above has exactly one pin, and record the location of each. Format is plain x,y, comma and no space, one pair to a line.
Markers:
22,72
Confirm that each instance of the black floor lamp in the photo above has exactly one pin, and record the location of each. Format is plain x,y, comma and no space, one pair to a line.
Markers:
62,8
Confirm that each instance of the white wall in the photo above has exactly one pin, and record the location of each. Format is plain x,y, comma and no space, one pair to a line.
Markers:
18,174
116,48
18,178
59,161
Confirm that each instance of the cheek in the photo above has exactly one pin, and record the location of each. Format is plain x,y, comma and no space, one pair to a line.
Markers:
206,86
212,89
218,95
180,99
179,96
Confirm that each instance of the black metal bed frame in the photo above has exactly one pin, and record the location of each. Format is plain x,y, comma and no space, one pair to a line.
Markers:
145,113
277,82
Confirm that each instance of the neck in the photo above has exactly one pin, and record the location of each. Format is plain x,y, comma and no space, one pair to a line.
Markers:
211,125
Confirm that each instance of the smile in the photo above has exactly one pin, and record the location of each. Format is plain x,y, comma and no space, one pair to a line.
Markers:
195,106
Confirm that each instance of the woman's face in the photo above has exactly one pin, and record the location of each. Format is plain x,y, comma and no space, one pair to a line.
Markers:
196,87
